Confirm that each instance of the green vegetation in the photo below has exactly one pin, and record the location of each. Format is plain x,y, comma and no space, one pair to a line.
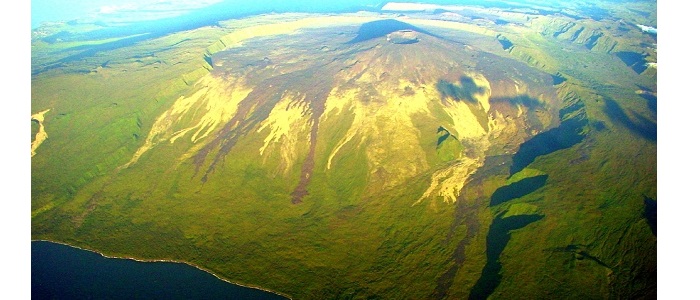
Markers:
34,129
521,209
366,229
448,146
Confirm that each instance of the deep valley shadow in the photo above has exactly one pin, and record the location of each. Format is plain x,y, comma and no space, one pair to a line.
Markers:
569,133
644,128
505,43
650,213
517,189
651,101
558,79
633,60
496,241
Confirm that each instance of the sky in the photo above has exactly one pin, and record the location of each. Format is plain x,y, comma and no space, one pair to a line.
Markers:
115,11
66,10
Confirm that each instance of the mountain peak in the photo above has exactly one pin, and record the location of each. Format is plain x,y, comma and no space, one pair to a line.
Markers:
404,36
382,28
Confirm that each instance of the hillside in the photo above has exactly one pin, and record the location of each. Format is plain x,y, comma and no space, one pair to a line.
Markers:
407,155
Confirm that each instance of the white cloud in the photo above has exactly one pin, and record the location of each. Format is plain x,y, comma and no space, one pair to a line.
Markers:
110,9
648,29
402,6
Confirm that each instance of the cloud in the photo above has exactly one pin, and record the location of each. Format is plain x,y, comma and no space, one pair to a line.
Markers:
403,6
110,9
154,6
133,10
647,29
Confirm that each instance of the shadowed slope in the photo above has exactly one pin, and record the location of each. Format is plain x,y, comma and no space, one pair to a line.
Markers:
380,28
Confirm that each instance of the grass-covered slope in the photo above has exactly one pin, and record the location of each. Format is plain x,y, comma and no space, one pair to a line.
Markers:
273,152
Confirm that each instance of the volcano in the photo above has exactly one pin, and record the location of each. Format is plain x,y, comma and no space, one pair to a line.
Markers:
365,99
359,155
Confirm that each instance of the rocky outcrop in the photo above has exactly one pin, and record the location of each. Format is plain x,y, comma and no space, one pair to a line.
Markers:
579,32
403,37
524,55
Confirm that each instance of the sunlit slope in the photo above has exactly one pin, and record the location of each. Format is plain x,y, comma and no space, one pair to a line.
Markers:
390,100
390,158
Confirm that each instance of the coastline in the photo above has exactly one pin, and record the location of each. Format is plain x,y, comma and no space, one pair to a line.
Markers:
170,261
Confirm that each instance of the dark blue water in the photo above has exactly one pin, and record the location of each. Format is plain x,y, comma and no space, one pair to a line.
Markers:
64,272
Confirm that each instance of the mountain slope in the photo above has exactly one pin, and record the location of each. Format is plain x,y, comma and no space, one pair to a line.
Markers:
367,158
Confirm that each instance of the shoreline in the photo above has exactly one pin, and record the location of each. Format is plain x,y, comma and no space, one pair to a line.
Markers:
169,261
